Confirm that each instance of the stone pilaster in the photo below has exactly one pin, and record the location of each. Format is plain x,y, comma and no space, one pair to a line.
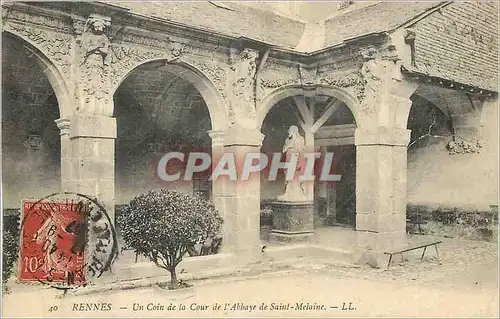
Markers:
240,200
92,167
218,187
64,126
380,191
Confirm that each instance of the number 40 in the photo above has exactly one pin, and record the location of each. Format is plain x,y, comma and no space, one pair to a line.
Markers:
53,308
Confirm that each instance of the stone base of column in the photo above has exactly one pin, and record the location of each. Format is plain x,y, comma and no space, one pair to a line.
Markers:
371,247
292,221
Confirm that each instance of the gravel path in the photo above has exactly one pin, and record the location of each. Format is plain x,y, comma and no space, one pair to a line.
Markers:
464,285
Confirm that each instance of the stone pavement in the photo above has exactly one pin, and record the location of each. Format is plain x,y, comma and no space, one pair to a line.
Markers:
464,285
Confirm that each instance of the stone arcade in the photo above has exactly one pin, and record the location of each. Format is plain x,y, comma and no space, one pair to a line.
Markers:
100,63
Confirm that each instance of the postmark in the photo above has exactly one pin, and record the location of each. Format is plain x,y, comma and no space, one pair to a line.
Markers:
66,240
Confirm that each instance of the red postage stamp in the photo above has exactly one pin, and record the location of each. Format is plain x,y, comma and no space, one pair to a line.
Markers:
52,247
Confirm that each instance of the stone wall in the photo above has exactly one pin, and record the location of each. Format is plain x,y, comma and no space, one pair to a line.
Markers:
468,181
453,222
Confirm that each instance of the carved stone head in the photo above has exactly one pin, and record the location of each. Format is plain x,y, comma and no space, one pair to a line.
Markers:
177,49
249,54
97,24
369,53
293,130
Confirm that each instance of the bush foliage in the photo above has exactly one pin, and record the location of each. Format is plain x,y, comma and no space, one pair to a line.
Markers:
10,249
163,224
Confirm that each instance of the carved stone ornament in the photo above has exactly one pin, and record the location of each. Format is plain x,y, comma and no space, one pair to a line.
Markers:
124,58
55,46
378,71
215,73
462,146
308,76
38,19
94,66
243,69
276,82
177,49
33,141
353,79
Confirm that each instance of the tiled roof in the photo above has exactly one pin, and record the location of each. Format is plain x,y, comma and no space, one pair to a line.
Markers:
379,17
228,18
459,43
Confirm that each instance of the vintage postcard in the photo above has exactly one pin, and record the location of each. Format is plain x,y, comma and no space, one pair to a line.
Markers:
249,159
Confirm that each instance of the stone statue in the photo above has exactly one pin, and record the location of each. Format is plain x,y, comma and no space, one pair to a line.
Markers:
95,63
243,69
294,145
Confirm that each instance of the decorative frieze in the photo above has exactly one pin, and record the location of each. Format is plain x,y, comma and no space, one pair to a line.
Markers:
352,80
124,58
213,71
152,41
276,82
39,19
56,46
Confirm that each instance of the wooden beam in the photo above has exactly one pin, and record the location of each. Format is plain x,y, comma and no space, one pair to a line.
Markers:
303,109
330,109
334,141
335,131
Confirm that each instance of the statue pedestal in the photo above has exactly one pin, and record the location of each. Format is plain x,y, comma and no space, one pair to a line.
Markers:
292,221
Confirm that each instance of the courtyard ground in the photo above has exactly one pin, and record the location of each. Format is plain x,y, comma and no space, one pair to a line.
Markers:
464,285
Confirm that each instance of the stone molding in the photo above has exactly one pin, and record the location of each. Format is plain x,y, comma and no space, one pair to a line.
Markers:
92,126
64,126
382,136
237,136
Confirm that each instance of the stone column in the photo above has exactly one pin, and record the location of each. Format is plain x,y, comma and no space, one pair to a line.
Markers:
218,188
93,158
380,191
64,126
241,199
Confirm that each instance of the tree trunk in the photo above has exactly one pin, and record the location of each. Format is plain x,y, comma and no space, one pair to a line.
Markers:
173,279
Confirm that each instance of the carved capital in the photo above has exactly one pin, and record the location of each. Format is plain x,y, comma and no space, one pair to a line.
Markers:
64,126
217,137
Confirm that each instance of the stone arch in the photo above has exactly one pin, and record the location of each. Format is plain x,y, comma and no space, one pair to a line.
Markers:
56,80
213,98
292,90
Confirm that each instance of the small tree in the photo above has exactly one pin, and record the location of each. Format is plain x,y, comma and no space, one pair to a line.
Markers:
163,224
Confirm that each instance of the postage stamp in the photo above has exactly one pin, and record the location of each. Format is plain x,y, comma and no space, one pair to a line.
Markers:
65,239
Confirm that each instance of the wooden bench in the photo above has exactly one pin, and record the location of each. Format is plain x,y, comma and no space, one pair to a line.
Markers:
424,246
